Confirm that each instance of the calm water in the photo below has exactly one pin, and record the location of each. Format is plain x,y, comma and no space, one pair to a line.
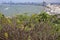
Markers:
11,10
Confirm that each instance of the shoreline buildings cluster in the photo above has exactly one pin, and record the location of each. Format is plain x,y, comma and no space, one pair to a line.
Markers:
53,9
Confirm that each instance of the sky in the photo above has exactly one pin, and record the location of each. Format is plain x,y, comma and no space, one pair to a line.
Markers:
37,1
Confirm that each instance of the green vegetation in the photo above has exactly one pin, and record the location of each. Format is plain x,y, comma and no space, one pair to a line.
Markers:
30,27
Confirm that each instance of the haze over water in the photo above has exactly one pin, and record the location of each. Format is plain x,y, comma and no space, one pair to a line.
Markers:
11,10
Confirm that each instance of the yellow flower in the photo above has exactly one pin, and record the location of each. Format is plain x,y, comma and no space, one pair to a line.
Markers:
6,34
18,20
9,20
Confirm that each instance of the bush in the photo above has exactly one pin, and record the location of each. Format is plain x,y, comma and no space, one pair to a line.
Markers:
35,27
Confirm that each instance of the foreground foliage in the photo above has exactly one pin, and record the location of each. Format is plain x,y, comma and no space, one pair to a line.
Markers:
34,27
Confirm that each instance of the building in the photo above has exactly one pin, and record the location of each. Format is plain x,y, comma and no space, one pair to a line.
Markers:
53,10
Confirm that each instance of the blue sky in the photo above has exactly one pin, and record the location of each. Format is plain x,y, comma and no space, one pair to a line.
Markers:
29,1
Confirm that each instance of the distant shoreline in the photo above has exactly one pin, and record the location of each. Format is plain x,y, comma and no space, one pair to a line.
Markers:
37,4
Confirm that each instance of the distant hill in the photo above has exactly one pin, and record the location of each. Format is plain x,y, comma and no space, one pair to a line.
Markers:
38,4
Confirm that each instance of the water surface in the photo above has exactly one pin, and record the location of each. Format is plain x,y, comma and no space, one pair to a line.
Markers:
11,10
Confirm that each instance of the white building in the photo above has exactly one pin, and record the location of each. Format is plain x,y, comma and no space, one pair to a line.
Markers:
52,9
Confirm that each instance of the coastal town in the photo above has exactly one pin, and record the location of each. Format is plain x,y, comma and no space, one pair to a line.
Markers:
53,9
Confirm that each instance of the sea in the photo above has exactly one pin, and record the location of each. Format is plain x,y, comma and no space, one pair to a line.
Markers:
12,10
